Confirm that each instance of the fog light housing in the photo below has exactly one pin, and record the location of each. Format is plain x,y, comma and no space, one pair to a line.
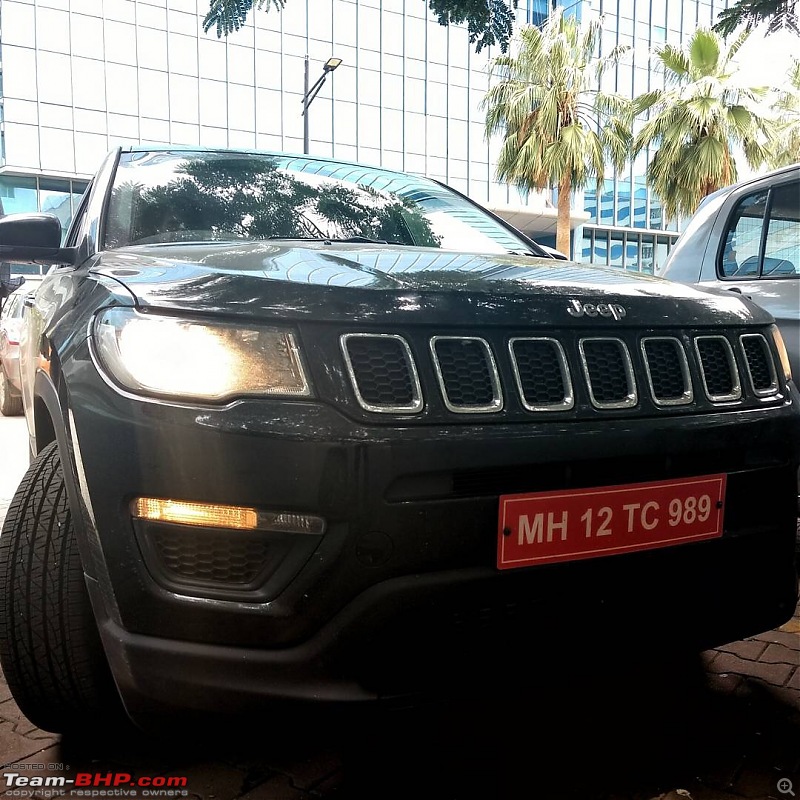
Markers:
224,552
213,515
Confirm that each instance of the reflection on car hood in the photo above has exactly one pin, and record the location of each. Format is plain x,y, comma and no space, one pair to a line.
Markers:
338,281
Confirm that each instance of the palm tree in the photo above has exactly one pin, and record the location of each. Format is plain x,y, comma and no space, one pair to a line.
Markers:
557,128
489,21
699,120
778,14
788,110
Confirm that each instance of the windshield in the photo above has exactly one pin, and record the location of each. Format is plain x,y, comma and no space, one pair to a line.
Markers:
215,196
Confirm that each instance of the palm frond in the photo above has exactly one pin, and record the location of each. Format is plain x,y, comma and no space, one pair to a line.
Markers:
230,15
778,14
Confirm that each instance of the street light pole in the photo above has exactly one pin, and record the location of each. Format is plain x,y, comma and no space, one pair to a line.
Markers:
309,93
305,109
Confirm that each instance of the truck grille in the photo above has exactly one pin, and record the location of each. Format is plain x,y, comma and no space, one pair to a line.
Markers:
541,373
760,367
467,374
609,373
667,370
718,368
567,374
382,372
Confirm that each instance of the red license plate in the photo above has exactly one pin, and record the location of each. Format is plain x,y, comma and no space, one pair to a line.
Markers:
546,527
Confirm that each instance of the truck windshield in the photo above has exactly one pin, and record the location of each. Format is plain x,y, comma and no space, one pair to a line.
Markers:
177,196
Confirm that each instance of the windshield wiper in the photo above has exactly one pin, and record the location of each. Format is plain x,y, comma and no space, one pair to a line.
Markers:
364,239
332,239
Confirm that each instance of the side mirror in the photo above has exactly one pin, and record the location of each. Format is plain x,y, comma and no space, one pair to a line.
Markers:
33,239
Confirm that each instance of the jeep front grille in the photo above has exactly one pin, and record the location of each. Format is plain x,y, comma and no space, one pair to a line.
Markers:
541,374
609,373
760,366
513,376
667,371
467,374
382,372
718,368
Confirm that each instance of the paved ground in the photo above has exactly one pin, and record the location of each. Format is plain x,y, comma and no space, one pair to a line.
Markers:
724,727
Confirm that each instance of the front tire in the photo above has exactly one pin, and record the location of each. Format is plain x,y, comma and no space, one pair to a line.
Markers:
50,649
10,404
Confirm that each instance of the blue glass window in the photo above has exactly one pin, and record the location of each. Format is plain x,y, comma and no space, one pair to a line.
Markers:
639,202
616,253
600,250
590,203
586,247
607,204
632,260
18,195
624,203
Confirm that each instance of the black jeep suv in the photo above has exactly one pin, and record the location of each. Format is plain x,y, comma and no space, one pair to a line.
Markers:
311,430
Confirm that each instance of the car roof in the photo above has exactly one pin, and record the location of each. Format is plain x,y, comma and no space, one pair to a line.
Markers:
774,173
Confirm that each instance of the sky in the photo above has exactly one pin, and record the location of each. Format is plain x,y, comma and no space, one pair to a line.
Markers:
765,57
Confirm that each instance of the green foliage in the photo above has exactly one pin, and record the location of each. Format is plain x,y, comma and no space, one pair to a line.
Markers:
705,113
251,198
787,107
778,14
489,22
556,127
230,15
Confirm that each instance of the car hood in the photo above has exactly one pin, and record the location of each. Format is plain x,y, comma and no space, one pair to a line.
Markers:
375,283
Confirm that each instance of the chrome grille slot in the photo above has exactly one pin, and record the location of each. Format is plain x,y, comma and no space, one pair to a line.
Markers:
467,374
382,373
608,370
718,368
541,373
667,371
760,366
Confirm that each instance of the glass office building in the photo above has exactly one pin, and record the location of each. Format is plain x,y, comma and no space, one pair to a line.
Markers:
81,76
626,226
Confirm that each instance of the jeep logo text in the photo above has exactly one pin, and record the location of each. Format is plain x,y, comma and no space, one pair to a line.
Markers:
578,309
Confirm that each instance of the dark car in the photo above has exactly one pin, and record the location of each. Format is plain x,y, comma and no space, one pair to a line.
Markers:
311,430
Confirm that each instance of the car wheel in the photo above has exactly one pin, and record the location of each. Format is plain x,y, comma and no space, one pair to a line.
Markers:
10,405
50,649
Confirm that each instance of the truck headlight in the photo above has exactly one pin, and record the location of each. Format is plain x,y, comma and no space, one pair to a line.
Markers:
189,359
782,352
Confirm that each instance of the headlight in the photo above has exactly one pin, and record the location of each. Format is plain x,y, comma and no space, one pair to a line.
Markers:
782,352
192,360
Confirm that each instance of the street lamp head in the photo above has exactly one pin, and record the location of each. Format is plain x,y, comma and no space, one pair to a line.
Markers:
331,64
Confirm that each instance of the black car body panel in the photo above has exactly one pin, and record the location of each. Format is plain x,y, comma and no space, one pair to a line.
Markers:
330,283
400,587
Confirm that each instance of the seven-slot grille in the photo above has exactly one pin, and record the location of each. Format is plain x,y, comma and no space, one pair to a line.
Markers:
382,372
718,368
550,375
760,367
609,373
467,374
667,371
541,373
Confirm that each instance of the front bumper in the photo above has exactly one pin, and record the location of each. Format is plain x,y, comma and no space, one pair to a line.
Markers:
403,581
445,632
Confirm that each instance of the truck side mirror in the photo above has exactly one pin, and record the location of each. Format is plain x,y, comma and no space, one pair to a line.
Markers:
34,239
